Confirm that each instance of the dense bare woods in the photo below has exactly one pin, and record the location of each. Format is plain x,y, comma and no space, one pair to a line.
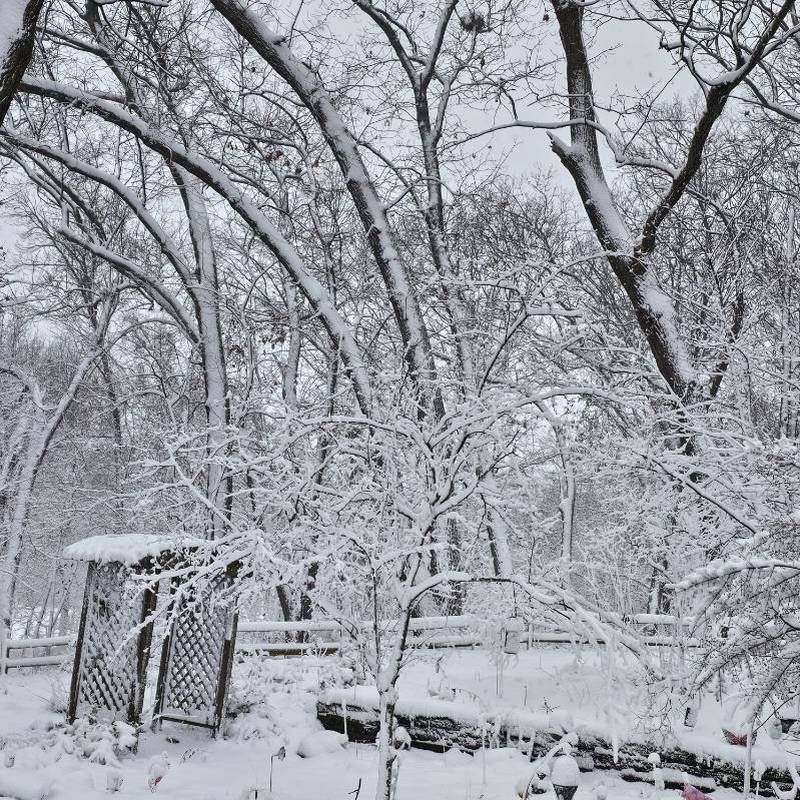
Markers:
277,273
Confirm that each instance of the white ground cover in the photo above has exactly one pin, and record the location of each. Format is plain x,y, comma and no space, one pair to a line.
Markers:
274,705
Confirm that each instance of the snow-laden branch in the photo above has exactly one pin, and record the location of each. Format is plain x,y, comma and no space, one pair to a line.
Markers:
408,596
151,288
719,90
199,166
721,568
100,176
275,50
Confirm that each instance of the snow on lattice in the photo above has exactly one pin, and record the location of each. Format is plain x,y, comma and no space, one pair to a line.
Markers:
108,680
126,548
195,659
195,667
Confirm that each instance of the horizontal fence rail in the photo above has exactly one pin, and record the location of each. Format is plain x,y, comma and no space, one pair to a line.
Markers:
47,659
323,637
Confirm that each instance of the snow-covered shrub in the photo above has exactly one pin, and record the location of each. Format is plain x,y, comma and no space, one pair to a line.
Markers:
113,781
262,690
99,742
59,696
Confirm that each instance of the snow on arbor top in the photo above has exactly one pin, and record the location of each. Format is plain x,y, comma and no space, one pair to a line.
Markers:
124,548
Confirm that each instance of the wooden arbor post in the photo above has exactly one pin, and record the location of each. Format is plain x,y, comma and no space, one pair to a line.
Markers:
116,628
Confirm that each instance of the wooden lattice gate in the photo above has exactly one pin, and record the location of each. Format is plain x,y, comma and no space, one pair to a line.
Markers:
116,630
197,657
110,670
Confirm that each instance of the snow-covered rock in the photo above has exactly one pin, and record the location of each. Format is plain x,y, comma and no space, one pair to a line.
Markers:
320,742
402,738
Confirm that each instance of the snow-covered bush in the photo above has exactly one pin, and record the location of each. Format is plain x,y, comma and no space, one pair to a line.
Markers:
59,695
99,742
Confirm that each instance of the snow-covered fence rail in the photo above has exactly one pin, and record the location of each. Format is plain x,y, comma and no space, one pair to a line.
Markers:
326,636
10,661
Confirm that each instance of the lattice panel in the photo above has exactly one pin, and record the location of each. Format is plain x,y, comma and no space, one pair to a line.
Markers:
194,667
107,678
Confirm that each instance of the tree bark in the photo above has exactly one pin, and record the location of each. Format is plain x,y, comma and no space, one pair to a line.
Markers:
15,53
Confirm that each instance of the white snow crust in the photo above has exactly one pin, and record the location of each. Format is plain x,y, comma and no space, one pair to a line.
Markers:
126,548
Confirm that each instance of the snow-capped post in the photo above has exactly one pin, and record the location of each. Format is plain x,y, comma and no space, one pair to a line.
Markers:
280,755
512,635
658,773
748,759
758,773
565,774
4,637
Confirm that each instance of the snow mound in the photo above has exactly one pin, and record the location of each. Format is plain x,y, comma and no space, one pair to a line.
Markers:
565,772
315,744
24,787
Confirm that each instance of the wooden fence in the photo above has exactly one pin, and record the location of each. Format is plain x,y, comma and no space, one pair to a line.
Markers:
275,638
40,652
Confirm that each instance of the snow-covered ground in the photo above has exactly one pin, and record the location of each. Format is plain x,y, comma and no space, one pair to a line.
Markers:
273,703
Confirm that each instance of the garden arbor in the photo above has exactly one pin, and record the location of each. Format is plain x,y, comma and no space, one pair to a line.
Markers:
112,653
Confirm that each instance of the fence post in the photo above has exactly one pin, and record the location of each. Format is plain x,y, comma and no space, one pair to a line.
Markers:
3,650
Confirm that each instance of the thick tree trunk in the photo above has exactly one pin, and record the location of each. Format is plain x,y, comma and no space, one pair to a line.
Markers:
386,751
17,34
205,295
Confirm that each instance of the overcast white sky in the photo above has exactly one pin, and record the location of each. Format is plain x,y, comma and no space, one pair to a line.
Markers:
634,63
631,63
